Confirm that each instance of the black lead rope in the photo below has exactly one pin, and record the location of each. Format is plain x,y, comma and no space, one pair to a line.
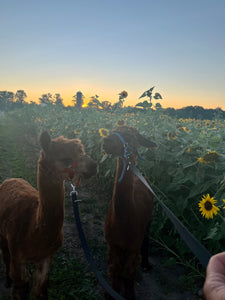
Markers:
195,246
198,249
87,253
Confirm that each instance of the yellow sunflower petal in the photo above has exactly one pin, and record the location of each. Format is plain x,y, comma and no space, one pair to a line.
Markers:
207,207
103,132
121,123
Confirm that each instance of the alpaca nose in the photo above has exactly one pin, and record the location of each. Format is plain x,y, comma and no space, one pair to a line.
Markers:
91,168
107,145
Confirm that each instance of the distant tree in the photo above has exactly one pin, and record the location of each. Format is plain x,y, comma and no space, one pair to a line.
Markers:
58,100
6,100
170,111
78,100
94,103
33,103
218,114
196,112
46,99
20,96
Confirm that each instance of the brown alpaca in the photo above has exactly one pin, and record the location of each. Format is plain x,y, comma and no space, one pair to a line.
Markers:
31,221
129,215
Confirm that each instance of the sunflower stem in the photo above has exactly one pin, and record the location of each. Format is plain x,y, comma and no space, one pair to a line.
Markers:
221,217
196,217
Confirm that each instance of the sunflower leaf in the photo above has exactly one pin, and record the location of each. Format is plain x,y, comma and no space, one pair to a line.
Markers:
104,157
212,234
107,172
157,96
143,95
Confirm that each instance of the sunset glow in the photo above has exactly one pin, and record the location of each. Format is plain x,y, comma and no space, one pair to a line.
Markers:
102,51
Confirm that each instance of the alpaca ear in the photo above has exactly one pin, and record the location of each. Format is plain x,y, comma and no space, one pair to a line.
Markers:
45,140
144,142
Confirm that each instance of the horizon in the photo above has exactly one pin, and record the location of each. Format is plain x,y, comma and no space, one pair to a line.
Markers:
125,104
68,101
101,47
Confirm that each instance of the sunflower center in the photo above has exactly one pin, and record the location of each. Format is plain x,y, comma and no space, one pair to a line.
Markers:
208,205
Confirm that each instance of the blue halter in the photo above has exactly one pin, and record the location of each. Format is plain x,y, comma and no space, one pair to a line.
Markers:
126,153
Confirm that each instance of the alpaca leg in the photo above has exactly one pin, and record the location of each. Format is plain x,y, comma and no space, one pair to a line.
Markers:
41,278
144,251
116,283
20,280
6,260
129,292
114,271
122,270
131,262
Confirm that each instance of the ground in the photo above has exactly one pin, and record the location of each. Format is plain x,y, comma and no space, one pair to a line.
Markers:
160,283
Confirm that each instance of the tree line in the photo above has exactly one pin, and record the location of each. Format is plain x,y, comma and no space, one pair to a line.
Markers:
10,101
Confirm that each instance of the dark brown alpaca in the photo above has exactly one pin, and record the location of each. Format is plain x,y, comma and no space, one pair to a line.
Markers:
31,221
129,215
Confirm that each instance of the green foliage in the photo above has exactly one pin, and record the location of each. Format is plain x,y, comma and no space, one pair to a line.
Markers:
69,279
176,169
145,104
13,162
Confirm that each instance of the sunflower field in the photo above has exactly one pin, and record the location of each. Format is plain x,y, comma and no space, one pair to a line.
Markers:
187,170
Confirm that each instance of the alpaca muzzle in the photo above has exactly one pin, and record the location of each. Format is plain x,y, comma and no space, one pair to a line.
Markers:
70,170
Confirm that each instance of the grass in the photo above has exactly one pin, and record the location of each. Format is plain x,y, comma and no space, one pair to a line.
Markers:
13,161
70,279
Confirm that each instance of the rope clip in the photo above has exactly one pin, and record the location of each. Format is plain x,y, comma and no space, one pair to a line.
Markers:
128,166
74,192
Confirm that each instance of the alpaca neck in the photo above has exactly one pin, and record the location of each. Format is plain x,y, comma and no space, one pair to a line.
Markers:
50,213
123,191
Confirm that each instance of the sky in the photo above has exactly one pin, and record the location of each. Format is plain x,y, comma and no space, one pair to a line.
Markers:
102,47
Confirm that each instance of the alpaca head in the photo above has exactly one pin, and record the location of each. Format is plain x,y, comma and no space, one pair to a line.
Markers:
112,144
67,156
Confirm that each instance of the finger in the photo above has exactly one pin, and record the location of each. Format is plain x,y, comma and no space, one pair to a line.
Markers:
217,264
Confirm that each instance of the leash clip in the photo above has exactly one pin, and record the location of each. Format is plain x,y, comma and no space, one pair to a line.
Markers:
128,166
74,192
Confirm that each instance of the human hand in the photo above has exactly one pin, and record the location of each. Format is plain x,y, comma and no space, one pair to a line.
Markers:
214,286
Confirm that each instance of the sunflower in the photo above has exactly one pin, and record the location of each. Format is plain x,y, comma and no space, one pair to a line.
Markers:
120,123
201,160
171,136
103,132
76,131
209,157
123,94
183,129
207,207
224,203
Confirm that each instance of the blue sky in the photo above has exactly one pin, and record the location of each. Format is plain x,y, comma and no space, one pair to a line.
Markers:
104,47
